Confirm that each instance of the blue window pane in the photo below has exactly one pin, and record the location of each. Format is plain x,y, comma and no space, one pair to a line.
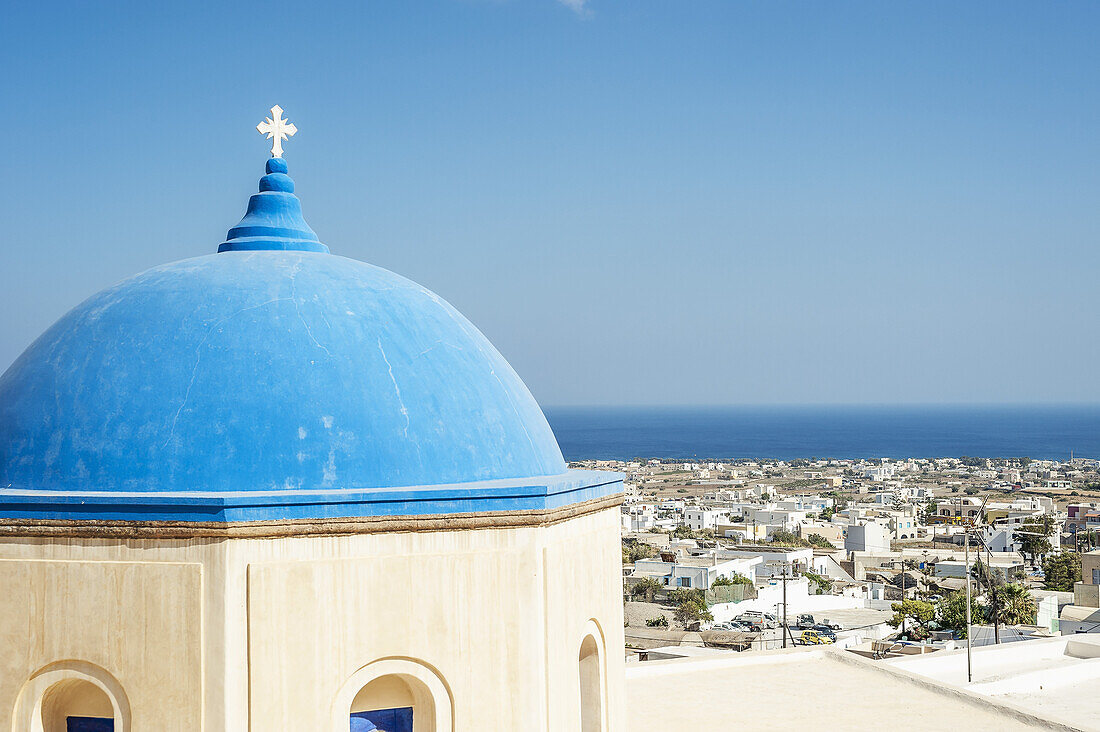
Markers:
89,724
383,720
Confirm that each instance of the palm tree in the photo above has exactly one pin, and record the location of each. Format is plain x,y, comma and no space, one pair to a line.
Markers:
1015,606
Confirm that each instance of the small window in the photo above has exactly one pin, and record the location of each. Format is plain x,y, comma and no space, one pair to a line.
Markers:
89,724
685,582
1096,576
384,720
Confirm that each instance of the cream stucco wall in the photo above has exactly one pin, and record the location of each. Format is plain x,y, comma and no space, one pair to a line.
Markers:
54,613
283,633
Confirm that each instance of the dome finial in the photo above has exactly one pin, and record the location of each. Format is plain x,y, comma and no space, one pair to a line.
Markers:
274,220
277,129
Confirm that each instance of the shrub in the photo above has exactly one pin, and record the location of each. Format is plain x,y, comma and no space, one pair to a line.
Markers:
824,583
683,531
786,538
680,595
734,579
633,550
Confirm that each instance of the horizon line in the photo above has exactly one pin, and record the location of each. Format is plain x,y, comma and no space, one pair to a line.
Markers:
824,405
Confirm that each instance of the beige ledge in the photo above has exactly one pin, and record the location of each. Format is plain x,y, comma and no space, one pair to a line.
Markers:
300,527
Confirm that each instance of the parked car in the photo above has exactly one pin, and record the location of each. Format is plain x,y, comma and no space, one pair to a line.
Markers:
805,620
758,619
826,631
814,638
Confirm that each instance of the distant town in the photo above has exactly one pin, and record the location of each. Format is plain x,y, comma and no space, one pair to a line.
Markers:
874,555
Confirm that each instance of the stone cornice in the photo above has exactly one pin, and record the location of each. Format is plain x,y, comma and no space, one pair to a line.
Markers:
90,529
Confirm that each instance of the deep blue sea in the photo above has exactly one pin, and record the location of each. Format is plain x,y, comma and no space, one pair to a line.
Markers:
786,432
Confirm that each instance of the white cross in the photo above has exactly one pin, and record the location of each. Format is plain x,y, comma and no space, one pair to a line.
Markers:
277,129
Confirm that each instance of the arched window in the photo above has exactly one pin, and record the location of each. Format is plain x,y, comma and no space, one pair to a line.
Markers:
387,704
72,696
591,678
394,695
76,705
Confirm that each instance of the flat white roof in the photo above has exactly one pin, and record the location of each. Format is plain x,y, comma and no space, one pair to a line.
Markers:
1053,678
798,689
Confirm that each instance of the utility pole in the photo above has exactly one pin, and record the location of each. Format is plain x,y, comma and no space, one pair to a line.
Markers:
785,627
992,594
966,561
903,577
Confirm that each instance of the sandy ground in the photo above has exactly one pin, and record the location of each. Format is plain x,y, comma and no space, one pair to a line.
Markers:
636,613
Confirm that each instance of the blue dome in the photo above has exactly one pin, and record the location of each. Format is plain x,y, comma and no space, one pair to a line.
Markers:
266,370
272,382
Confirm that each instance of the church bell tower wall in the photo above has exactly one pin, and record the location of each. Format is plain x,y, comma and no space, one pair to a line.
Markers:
473,628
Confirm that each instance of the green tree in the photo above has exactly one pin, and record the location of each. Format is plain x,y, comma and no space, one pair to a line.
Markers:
916,614
1034,541
733,579
690,612
633,550
824,583
819,541
682,595
987,578
646,588
1061,570
658,622
1014,606
683,531
786,538
951,612
827,513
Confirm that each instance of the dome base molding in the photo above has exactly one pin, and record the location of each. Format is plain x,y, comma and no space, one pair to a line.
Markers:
84,529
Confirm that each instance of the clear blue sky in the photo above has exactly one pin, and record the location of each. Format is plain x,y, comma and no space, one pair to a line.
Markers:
637,201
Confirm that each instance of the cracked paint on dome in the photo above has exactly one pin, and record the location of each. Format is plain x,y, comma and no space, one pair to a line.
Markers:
244,370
